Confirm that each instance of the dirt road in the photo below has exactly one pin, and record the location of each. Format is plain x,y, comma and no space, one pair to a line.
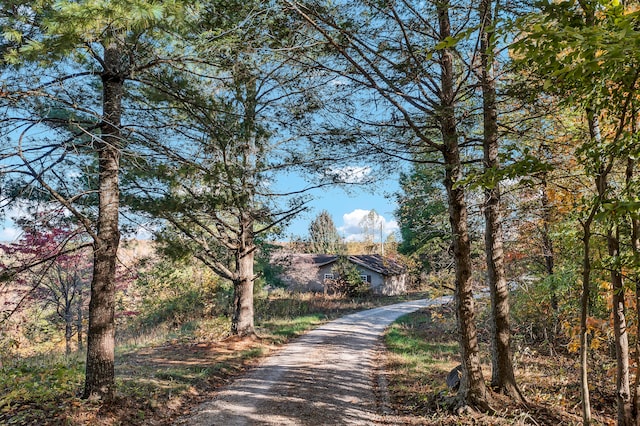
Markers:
326,377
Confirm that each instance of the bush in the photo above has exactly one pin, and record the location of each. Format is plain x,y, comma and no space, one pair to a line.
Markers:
533,316
348,279
174,293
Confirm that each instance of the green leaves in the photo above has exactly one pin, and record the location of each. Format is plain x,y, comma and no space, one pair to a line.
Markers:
617,209
65,26
324,234
526,166
576,59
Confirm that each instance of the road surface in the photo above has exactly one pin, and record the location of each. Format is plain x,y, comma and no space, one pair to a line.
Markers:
326,377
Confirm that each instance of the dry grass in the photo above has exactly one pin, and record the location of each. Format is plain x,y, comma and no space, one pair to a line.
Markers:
427,351
163,372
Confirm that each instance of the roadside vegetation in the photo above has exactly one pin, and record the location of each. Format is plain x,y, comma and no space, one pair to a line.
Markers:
514,127
173,350
422,351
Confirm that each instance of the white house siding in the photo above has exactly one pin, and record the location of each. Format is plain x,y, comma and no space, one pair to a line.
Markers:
326,269
377,280
306,273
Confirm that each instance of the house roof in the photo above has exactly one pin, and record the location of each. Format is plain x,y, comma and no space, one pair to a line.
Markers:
374,262
379,264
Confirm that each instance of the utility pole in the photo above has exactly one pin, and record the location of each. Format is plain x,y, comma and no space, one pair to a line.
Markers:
381,240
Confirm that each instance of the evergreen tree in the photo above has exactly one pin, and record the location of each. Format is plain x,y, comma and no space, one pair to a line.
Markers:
81,63
422,217
324,235
209,183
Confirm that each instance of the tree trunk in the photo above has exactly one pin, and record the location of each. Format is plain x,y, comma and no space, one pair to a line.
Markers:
635,239
549,259
584,314
547,245
79,327
594,132
503,377
472,386
68,330
635,248
623,392
473,390
100,376
242,322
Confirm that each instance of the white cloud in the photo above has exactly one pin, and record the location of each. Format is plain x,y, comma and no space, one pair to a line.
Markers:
340,81
9,234
351,229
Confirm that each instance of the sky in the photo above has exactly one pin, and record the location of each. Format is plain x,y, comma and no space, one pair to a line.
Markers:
346,209
9,232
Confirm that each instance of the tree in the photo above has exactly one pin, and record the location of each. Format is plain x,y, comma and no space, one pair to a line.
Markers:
64,287
324,235
503,376
596,72
348,279
92,48
210,183
371,225
50,270
422,217
409,73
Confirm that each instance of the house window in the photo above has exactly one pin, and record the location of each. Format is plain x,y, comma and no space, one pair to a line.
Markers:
366,278
328,276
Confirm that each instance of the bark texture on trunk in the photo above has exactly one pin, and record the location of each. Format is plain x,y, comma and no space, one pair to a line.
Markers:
549,259
503,377
68,330
100,376
547,244
242,323
635,243
584,314
473,390
635,248
621,337
79,321
594,132
623,392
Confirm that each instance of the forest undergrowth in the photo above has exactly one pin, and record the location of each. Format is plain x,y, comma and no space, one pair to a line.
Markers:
422,350
163,368
172,357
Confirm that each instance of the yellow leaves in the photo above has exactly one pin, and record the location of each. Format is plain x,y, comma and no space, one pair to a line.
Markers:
562,200
574,345
598,331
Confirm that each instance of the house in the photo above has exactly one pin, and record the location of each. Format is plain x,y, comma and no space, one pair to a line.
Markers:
313,272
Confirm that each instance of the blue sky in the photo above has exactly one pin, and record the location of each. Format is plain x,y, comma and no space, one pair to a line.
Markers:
346,209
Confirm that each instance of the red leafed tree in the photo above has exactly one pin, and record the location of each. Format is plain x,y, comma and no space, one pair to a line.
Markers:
50,267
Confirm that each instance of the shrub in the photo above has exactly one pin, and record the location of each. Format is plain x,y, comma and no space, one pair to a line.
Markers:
348,279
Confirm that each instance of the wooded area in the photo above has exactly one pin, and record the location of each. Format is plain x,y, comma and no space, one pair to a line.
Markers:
515,125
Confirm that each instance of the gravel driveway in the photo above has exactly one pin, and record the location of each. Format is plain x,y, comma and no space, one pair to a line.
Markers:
325,377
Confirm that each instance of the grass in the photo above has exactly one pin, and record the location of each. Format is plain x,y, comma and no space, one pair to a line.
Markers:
288,328
31,389
422,350
163,370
